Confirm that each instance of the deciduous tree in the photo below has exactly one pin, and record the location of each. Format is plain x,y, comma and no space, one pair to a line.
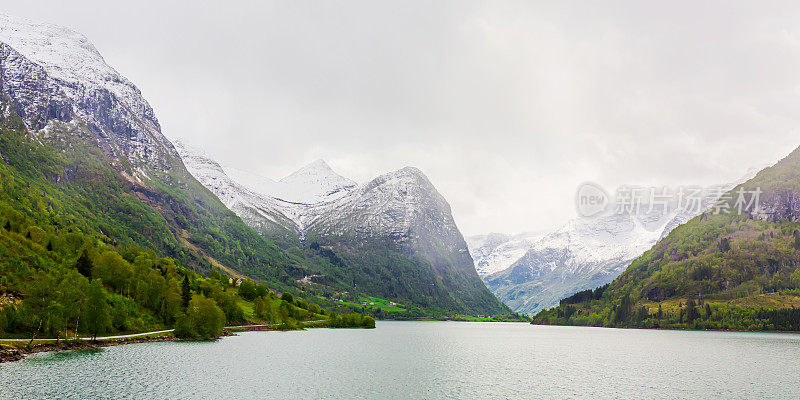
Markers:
97,315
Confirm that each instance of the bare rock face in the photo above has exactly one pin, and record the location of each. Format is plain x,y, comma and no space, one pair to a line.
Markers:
781,205
54,75
779,191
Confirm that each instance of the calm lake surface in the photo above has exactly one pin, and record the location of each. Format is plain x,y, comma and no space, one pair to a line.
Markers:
424,360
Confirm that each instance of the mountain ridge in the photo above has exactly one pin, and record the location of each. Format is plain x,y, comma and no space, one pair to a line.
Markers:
398,215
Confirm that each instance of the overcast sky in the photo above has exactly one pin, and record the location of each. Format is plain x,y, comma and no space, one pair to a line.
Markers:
507,107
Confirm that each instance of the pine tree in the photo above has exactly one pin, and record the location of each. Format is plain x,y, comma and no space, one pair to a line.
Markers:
186,293
84,265
691,311
623,312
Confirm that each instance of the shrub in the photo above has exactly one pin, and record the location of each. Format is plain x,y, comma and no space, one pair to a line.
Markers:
203,320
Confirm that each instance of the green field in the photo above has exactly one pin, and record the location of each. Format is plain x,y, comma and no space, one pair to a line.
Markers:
377,304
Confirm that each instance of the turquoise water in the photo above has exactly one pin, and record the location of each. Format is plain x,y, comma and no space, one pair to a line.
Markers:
424,360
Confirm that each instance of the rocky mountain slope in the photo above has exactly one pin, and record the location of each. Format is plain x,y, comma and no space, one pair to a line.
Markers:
531,273
393,236
102,165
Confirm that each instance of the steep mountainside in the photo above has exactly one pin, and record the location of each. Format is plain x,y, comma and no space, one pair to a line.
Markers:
721,270
84,149
392,237
532,273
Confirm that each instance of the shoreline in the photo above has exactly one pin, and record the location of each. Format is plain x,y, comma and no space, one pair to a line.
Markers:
666,329
11,353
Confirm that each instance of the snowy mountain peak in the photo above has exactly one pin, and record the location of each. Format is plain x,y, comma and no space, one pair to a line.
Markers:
315,183
314,172
403,177
531,274
64,53
413,172
399,213
54,74
69,57
318,166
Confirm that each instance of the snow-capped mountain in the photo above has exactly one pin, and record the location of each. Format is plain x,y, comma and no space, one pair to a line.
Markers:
495,252
400,211
317,199
533,273
55,78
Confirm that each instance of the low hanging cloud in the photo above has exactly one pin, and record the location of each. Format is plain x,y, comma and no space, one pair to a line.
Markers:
506,106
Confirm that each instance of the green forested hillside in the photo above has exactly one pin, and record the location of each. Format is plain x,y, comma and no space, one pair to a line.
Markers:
721,270
61,283
378,268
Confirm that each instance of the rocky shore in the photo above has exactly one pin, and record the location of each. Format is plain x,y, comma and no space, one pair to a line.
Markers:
9,354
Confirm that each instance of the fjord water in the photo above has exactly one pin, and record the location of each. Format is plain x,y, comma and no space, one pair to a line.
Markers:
430,360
